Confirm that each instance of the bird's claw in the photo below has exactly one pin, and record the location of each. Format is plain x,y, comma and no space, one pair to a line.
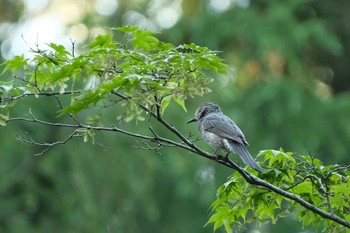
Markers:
226,156
222,158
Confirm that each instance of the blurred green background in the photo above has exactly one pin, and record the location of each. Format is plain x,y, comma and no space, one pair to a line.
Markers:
289,88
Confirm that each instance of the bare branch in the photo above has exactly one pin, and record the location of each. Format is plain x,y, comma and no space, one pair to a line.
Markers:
33,119
73,42
190,146
69,114
145,146
26,94
47,145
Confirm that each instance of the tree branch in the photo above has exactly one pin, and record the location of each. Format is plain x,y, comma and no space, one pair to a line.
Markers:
143,93
78,125
13,98
257,181
249,177
47,145
190,146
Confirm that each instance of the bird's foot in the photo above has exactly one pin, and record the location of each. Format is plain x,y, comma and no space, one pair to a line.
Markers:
222,158
226,156
219,157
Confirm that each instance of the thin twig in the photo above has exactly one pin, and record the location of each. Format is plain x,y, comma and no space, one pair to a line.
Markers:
69,114
26,94
47,145
73,47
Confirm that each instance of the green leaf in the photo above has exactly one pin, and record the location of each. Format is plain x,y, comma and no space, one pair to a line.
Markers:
157,86
180,102
81,102
213,218
63,72
127,29
218,224
93,96
60,50
308,218
138,66
3,119
14,64
228,226
165,102
101,41
143,39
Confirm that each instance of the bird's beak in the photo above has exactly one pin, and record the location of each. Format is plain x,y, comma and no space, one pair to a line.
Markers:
192,120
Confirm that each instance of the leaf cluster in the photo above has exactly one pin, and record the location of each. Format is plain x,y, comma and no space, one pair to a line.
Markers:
136,65
325,187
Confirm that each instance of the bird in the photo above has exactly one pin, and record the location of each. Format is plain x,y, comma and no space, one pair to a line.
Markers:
222,133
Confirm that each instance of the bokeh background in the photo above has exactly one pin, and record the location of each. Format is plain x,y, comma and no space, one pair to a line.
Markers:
289,88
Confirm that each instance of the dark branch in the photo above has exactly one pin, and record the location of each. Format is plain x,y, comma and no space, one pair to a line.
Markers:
155,138
257,181
190,146
47,145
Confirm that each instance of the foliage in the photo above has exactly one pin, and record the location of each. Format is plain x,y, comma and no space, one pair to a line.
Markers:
143,75
326,187
109,188
140,66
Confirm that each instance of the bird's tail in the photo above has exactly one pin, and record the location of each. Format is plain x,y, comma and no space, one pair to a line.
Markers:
242,151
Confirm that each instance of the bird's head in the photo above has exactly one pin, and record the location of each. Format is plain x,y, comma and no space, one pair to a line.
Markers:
204,110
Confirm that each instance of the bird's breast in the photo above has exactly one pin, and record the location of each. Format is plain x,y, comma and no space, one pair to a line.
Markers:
213,140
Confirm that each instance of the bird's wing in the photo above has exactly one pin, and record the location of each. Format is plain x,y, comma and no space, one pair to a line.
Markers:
224,127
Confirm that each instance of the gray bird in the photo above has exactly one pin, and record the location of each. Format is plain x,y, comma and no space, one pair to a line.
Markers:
221,133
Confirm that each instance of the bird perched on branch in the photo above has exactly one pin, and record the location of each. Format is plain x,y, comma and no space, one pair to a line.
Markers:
221,133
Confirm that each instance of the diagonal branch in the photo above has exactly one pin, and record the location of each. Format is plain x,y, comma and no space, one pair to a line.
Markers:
249,177
190,146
